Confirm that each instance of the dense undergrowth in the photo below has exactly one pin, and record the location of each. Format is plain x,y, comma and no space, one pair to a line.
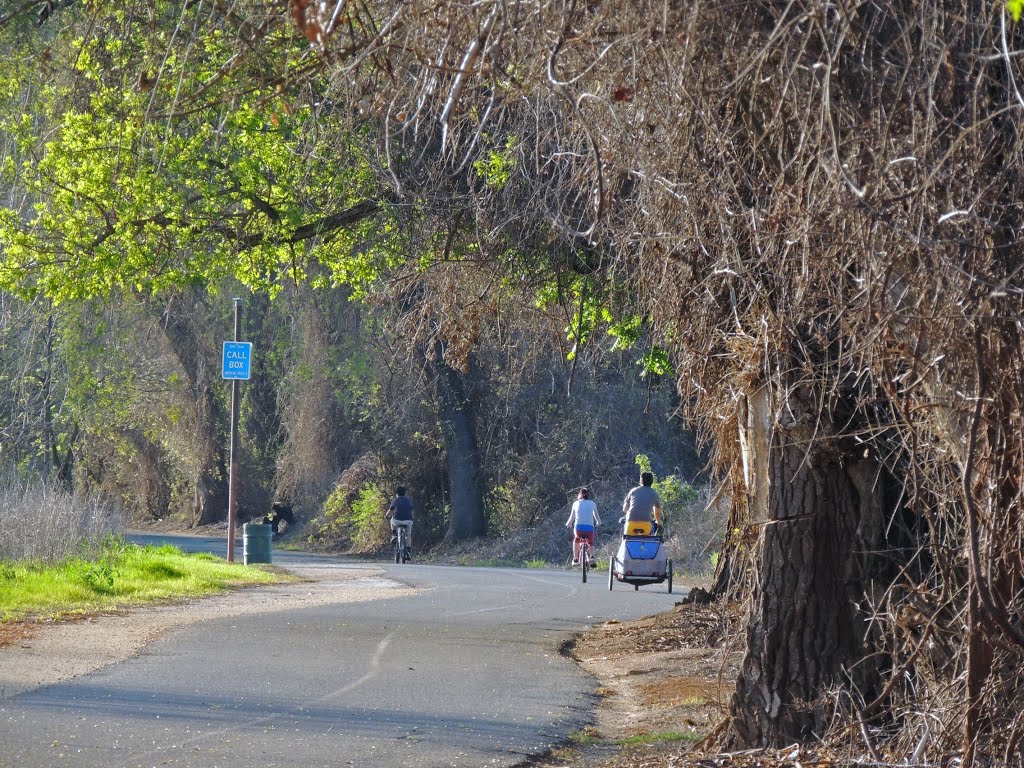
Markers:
694,529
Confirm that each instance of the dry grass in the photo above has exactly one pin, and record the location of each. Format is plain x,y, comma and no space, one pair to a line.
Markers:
43,523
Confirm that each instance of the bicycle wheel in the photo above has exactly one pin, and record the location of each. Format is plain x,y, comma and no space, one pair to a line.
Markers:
585,559
399,542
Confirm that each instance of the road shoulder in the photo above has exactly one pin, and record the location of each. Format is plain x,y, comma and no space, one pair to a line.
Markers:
664,682
36,654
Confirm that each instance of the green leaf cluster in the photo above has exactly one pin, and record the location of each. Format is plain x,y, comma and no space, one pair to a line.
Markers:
593,305
360,520
497,167
142,167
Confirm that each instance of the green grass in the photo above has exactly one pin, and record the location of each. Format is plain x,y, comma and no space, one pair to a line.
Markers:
582,737
122,575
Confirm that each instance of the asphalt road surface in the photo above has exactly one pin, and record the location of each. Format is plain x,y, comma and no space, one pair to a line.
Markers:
465,673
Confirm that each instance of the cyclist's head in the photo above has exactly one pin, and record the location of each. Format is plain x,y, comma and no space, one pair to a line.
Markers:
646,478
400,490
584,493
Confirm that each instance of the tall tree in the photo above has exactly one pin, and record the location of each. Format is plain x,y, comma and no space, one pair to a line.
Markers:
181,321
138,169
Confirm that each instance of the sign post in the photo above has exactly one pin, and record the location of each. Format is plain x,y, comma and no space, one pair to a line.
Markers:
236,365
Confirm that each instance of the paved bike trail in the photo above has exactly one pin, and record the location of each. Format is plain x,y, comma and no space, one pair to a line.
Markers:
466,672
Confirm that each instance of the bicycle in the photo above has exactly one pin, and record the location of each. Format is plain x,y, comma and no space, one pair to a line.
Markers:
586,558
401,544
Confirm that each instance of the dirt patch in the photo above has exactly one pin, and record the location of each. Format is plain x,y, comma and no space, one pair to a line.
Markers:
678,691
664,674
14,633
665,683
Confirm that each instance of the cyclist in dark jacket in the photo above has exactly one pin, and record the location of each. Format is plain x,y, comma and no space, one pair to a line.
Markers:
400,512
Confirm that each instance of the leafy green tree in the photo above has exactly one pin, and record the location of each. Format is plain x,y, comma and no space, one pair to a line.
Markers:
163,161
126,192
137,169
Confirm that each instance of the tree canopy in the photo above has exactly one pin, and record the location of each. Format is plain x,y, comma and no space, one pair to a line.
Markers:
141,165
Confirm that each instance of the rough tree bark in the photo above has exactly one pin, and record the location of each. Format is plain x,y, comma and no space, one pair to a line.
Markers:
992,497
463,457
801,627
210,490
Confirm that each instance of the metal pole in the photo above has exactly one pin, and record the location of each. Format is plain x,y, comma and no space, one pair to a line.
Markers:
232,459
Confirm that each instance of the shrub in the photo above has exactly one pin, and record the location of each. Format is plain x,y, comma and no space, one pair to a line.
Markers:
358,518
367,518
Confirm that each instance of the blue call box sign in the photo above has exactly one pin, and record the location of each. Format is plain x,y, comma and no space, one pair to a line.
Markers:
237,356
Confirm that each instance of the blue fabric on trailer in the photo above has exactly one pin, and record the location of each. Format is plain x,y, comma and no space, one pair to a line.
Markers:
643,549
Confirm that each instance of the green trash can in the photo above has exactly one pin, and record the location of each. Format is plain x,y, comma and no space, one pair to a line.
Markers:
256,540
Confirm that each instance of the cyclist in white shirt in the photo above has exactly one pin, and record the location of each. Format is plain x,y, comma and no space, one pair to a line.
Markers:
583,522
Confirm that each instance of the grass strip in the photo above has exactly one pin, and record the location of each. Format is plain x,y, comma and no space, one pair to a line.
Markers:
584,738
122,575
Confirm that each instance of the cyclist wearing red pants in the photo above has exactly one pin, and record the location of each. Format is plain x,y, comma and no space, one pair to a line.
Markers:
583,521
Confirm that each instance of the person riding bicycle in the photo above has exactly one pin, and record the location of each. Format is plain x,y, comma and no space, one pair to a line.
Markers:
642,508
400,513
583,521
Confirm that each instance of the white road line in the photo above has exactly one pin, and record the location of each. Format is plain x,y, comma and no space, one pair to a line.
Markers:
382,646
375,664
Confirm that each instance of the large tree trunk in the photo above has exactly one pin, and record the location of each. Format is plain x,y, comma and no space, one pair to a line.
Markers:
463,458
748,484
210,489
802,627
992,497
